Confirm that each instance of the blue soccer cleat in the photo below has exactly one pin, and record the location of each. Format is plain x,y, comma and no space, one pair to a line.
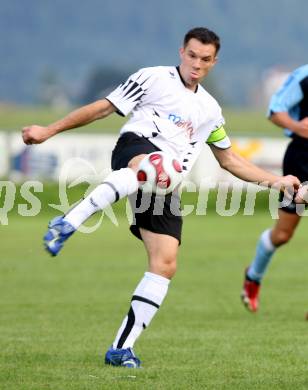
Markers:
122,358
58,232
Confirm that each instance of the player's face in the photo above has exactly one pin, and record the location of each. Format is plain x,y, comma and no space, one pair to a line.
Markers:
197,60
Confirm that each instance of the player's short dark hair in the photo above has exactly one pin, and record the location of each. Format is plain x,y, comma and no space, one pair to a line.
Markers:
204,35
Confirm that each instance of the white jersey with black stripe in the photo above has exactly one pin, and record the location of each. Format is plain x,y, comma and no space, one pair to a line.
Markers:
174,118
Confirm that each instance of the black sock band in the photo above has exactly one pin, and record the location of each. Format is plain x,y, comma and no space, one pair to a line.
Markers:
145,300
116,193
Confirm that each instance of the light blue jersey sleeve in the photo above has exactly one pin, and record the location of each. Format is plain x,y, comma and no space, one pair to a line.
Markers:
288,97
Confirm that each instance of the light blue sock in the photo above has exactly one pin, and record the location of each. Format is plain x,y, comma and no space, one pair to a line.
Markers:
264,252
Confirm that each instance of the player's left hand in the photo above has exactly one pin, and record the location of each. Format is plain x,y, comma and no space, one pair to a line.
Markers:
302,195
289,185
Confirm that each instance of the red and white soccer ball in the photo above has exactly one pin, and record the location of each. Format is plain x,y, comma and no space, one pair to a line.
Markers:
159,173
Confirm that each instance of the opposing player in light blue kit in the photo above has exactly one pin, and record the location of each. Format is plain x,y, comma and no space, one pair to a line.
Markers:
288,109
172,112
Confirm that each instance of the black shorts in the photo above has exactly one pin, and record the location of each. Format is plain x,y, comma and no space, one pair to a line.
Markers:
295,163
158,214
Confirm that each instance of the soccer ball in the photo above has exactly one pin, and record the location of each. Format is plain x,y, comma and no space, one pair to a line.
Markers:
159,173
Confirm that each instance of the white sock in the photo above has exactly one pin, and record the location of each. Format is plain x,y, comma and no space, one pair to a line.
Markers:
146,300
115,186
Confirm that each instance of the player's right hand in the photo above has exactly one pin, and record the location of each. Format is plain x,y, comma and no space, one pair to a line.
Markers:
35,134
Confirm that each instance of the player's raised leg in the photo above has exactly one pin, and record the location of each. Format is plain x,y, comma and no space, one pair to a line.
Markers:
116,185
147,297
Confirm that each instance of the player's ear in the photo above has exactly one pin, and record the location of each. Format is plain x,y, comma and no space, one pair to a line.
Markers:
181,51
214,62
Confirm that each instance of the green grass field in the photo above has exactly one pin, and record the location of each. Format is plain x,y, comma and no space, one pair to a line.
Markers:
59,315
252,123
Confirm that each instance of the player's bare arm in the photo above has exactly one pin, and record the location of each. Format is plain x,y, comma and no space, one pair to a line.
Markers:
245,170
284,120
82,116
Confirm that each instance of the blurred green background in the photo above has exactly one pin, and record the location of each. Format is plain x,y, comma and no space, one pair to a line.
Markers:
238,122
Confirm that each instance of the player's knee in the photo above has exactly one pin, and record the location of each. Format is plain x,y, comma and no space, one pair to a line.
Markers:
281,237
164,266
170,267
135,161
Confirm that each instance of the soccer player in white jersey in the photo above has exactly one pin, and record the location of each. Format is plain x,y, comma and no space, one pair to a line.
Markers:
170,111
